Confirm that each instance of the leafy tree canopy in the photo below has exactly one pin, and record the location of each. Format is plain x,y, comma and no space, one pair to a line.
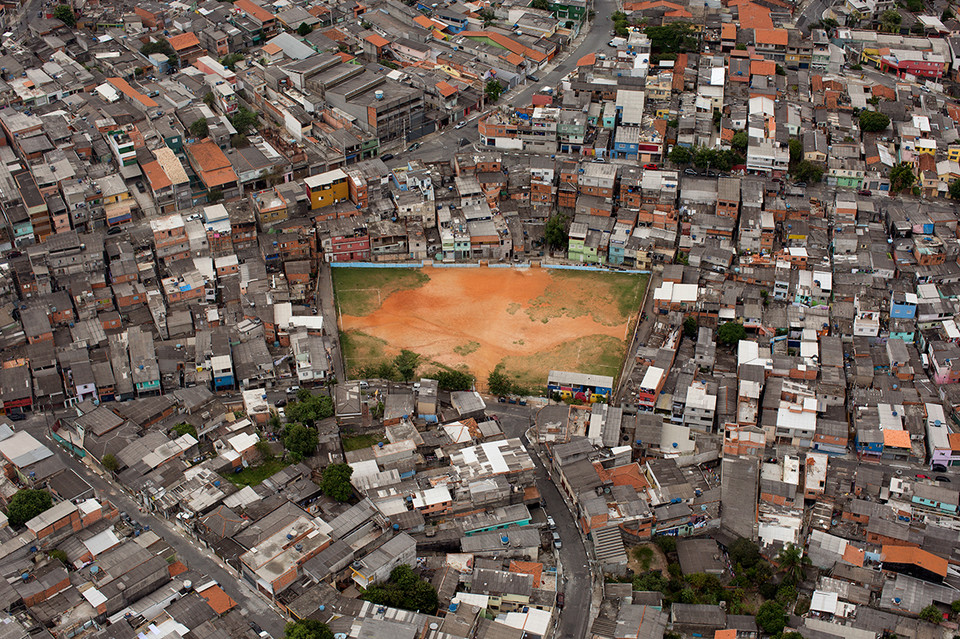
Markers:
309,408
244,120
335,482
555,231
65,14
307,629
300,440
26,504
404,590
771,617
498,382
679,154
731,332
493,90
160,45
873,121
453,380
901,177
407,363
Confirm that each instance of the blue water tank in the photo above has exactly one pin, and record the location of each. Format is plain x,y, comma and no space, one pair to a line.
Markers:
396,526
217,483
322,608
454,606
25,576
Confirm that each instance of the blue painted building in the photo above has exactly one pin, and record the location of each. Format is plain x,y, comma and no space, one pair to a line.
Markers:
626,143
903,306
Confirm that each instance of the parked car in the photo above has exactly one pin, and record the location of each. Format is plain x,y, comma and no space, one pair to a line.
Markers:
414,146
551,522
386,156
556,541
533,78
140,187
651,167
922,476
864,192
690,172
280,403
461,124
293,390
801,185
943,478
511,400
502,399
17,417
560,600
938,468
114,230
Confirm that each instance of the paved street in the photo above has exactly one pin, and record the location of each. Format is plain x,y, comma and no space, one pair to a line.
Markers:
188,550
578,589
329,312
443,144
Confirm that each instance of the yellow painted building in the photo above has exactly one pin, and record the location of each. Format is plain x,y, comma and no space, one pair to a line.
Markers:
953,152
327,188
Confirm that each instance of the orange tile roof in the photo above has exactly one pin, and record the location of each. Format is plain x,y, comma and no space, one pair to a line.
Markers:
726,135
587,60
753,16
771,36
176,568
335,34
954,112
446,90
896,438
155,176
676,10
218,599
514,58
954,439
725,634
183,41
853,555
507,43
254,10
124,87
678,73
628,475
528,568
883,92
426,22
344,56
272,48
212,166
728,31
915,556
377,40
763,67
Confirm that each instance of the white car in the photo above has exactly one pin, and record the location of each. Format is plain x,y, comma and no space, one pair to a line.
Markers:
461,124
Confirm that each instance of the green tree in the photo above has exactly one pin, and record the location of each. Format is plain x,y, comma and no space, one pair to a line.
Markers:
309,408
299,440
679,154
404,590
453,380
110,462
890,21
690,327
555,231
498,382
873,121
26,504
493,90
809,172
955,607
666,543
792,563
304,29
717,119
901,177
244,120
65,14
771,617
183,428
407,363
740,141
488,17
335,481
955,189
780,70
307,629
209,99
796,150
59,555
230,60
730,333
674,123
160,45
946,15
932,614
744,552
675,37
543,5
915,6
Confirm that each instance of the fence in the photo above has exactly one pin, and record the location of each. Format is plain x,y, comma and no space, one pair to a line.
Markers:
520,265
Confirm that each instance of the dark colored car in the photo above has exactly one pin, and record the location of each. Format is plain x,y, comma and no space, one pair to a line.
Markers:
17,417
386,156
864,192
943,479
115,230
280,403
939,468
533,78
